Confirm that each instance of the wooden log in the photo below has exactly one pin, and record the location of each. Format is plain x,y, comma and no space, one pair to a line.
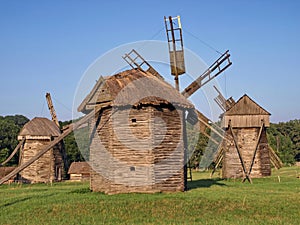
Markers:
13,153
275,160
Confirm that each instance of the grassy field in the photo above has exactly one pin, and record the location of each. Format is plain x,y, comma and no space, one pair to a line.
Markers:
209,201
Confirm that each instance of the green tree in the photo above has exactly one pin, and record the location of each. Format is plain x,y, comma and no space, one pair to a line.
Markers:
284,138
10,127
77,149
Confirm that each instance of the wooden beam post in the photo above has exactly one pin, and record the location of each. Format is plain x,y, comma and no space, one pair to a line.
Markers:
240,155
13,153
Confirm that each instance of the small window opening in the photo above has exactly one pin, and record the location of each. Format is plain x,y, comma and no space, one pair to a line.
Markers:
132,168
133,120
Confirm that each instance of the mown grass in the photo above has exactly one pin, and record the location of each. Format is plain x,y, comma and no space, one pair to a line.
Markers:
209,201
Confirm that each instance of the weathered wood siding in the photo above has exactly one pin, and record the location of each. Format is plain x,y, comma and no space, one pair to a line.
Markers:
46,169
79,177
144,155
169,150
246,139
240,121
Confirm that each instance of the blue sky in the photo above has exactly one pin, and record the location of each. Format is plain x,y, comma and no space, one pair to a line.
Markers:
46,46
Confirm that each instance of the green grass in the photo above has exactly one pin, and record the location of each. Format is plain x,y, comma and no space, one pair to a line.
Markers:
209,201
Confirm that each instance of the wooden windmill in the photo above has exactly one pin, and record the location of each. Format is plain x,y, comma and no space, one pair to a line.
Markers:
244,152
33,137
38,133
50,145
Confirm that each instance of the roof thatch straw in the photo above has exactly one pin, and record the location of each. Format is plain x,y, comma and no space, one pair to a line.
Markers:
79,168
39,126
132,88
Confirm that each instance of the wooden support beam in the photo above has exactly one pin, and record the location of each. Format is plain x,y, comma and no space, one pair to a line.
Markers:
275,160
13,153
240,155
209,126
209,137
218,159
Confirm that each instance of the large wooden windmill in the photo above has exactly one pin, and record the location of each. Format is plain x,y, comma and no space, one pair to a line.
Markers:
33,137
131,149
244,151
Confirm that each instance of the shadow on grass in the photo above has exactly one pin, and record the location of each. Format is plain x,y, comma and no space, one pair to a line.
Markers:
23,200
204,183
15,202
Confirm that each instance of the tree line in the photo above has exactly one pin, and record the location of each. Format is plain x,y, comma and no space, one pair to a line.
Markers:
10,127
284,138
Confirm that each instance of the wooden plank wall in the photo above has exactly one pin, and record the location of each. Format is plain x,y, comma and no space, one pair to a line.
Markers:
46,169
150,162
246,120
246,138
168,153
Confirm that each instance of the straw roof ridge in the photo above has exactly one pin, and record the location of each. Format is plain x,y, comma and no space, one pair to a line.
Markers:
126,86
40,126
79,168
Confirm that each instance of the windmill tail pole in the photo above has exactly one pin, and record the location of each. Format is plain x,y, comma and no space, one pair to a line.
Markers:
72,127
13,153
51,108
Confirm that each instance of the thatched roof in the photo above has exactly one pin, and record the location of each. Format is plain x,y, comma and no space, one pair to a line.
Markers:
246,106
121,89
39,126
79,168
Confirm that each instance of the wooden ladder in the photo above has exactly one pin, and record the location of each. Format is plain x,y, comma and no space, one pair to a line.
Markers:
135,60
220,65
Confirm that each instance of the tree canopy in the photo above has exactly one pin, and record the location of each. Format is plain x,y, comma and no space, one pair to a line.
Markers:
284,138
10,127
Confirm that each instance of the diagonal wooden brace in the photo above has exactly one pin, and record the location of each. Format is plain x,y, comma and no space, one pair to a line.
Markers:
13,153
240,155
